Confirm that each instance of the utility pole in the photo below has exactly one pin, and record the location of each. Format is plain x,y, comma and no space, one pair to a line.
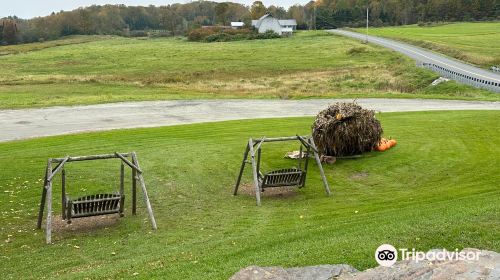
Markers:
366,24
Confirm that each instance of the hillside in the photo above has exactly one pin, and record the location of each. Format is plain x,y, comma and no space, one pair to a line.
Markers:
309,64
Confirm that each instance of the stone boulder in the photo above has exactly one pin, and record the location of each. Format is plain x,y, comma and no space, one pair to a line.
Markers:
487,267
318,272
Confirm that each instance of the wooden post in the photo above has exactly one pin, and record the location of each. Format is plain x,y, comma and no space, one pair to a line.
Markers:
259,155
144,191
254,171
48,229
42,205
44,195
134,192
58,167
306,165
68,213
301,156
133,166
122,183
245,156
320,166
63,193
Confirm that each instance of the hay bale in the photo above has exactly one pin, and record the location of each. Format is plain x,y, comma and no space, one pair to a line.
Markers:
346,129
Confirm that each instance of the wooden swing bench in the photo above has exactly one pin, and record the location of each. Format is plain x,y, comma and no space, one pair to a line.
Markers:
286,177
92,204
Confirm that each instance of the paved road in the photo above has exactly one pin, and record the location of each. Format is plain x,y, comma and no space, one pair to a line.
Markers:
28,123
449,68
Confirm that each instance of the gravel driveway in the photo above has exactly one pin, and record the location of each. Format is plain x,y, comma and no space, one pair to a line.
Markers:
29,123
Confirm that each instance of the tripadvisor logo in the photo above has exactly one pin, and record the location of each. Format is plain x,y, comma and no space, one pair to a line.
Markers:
386,255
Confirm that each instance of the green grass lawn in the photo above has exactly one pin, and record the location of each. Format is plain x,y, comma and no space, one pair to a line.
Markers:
437,188
89,70
476,43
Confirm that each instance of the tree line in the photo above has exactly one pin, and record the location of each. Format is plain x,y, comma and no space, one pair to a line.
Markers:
340,13
179,19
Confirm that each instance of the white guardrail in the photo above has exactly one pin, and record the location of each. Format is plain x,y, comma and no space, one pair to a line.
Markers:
461,77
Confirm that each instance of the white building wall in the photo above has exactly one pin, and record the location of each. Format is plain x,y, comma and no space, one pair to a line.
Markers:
270,23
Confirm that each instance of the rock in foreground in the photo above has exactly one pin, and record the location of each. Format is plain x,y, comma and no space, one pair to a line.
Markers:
486,268
318,272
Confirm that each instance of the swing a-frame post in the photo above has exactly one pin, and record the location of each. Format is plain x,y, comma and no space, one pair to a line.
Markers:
279,178
91,205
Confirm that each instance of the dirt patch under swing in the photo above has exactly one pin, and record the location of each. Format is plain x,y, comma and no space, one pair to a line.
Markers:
278,192
86,224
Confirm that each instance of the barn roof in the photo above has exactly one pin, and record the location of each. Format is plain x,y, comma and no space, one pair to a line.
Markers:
257,23
287,22
282,22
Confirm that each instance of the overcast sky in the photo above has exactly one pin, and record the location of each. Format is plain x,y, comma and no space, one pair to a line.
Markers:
33,8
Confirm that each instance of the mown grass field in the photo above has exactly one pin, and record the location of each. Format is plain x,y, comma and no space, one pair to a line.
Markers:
89,70
437,188
476,43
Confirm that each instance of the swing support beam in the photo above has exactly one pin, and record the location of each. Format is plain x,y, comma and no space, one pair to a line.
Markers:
46,199
253,149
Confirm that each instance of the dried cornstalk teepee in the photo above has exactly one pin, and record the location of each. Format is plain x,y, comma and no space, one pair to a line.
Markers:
346,129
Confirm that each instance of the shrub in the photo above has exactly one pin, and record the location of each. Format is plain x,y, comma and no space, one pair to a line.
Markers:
218,37
199,34
216,34
267,35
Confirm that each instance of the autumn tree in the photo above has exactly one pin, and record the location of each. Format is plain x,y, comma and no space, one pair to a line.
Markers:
257,10
278,12
297,12
9,31
221,11
1,32
85,21
172,21
109,20
237,12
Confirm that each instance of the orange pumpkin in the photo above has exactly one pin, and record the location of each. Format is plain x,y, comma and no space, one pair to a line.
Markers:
393,142
388,144
381,146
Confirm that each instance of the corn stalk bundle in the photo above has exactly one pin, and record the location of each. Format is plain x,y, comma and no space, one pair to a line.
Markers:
346,129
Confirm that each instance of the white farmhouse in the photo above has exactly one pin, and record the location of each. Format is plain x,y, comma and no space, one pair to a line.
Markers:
279,26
